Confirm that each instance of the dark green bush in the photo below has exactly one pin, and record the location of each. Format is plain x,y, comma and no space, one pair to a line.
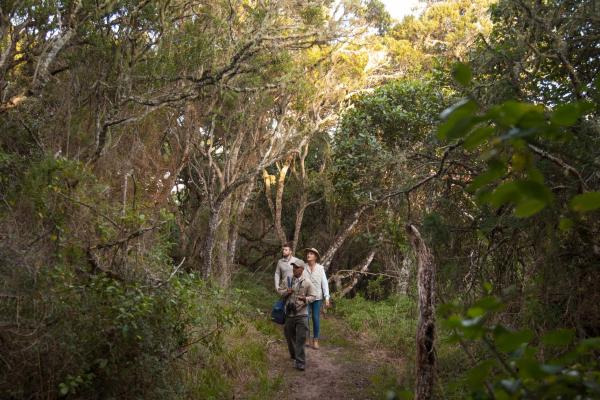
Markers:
97,337
517,363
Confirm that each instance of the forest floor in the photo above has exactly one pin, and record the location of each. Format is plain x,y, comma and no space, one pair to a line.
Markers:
346,366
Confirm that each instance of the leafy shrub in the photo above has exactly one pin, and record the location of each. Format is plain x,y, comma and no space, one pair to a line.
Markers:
519,365
97,337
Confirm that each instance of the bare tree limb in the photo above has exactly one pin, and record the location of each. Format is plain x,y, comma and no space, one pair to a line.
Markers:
543,153
360,270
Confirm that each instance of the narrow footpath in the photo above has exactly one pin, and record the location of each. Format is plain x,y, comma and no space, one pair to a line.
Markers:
344,367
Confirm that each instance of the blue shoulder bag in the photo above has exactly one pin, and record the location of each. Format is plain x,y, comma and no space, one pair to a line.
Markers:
278,311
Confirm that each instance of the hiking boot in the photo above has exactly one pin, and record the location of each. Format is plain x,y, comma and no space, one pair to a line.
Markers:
308,343
315,343
299,366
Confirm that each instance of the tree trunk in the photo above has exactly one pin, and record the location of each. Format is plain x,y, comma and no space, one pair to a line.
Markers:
337,279
426,358
303,197
404,274
213,224
124,197
299,218
363,267
235,223
222,269
279,200
209,243
342,236
267,180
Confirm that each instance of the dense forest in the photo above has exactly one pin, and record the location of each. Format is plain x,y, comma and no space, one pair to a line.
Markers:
155,155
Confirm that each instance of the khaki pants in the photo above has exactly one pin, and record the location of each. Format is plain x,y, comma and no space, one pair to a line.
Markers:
295,331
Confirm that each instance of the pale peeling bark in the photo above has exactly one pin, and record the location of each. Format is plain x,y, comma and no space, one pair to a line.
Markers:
213,224
268,192
223,270
235,224
299,218
404,274
363,267
279,200
342,236
304,203
42,74
426,358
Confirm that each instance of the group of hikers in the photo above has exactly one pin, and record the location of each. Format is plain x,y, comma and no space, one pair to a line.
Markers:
304,287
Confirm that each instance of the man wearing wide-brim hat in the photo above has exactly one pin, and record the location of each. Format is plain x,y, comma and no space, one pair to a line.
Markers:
298,295
316,274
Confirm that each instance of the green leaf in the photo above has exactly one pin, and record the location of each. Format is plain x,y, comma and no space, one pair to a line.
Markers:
565,224
529,196
477,136
477,375
559,337
458,120
456,106
462,73
511,341
496,169
589,344
475,312
534,174
565,115
487,287
529,368
489,303
533,118
586,202
404,395
510,113
568,114
504,193
452,322
520,160
473,332
529,207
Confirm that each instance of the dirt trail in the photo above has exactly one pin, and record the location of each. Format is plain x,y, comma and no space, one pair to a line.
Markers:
341,369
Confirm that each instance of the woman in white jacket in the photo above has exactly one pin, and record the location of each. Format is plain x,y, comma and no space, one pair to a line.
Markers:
316,273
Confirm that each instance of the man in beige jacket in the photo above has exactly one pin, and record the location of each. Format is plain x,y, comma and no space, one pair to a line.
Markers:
298,295
284,267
